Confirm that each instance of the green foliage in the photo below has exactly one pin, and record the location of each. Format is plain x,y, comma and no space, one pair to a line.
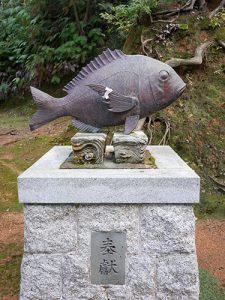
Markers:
183,26
220,34
204,22
218,20
125,16
209,287
40,41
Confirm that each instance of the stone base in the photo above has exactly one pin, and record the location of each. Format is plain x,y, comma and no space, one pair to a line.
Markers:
160,261
149,209
172,181
130,148
88,147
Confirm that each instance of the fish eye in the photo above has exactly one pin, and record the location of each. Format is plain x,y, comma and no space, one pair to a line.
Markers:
164,75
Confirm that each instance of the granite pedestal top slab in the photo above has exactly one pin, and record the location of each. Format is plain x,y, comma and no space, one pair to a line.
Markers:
172,182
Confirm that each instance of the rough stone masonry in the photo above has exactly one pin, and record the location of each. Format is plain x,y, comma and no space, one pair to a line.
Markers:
160,257
152,207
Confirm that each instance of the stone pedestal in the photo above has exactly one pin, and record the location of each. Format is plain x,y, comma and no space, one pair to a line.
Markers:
151,207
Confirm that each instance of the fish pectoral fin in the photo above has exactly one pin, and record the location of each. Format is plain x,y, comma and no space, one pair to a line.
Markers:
131,123
84,127
115,101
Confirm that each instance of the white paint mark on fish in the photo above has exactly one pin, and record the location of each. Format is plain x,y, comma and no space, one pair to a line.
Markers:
107,92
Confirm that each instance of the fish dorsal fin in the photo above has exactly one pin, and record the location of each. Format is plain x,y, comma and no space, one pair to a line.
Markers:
100,61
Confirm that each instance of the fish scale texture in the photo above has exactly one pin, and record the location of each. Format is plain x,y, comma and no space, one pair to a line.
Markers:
160,257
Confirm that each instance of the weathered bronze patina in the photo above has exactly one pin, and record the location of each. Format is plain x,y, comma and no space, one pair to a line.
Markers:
113,89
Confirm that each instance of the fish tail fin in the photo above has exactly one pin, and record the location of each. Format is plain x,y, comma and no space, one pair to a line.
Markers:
48,109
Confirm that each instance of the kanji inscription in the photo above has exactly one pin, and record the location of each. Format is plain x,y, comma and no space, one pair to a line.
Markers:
108,257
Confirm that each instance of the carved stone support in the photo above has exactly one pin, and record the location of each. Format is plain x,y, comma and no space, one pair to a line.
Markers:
88,147
130,148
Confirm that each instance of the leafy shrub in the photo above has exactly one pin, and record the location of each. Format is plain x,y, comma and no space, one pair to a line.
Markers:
43,40
125,16
218,20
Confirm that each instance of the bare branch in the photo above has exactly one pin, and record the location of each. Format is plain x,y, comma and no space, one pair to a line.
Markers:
220,186
140,124
164,21
144,45
150,130
221,43
196,60
77,20
215,11
202,5
185,8
189,5
166,135
86,16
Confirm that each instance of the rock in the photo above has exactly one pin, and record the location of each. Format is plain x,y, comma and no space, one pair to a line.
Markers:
160,258
41,277
177,277
139,285
119,218
130,148
166,229
88,147
76,282
50,228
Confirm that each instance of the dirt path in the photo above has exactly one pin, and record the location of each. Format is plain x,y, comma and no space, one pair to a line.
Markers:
11,228
8,136
210,243
11,136
11,249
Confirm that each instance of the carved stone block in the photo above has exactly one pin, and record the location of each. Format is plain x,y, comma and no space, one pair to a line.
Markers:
130,148
88,147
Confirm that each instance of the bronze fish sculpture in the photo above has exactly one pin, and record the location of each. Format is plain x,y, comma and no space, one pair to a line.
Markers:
113,89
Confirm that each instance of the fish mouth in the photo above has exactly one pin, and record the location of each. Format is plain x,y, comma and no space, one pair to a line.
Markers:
180,92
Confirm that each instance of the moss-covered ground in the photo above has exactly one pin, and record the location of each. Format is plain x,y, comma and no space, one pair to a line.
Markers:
15,158
10,260
198,134
209,287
